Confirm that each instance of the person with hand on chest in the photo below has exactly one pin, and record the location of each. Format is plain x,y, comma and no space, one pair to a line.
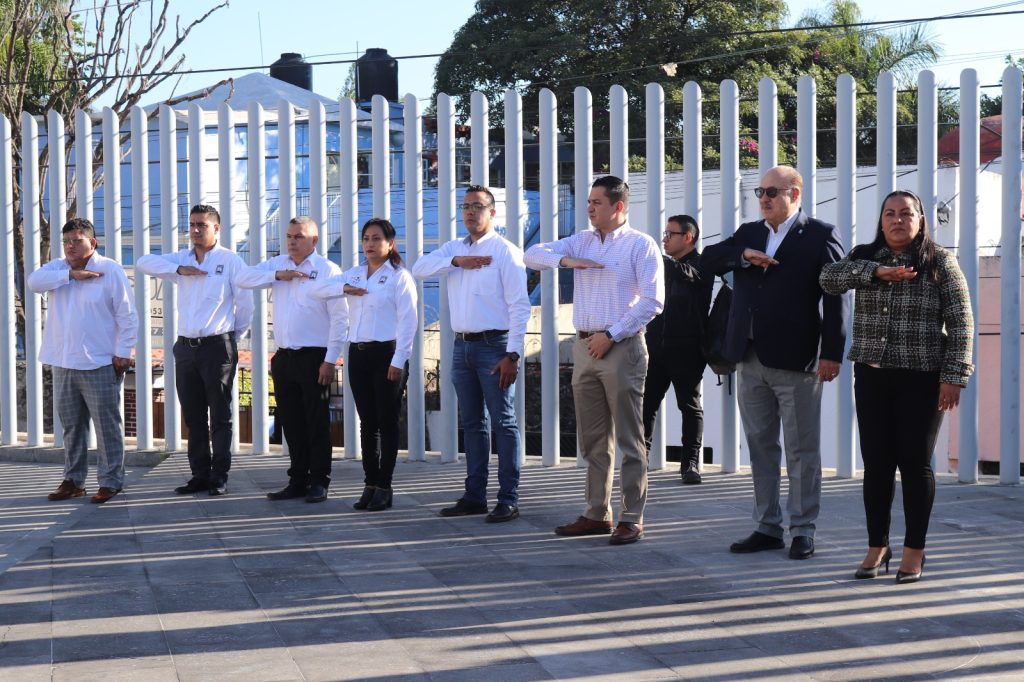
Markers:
309,333
213,313
381,296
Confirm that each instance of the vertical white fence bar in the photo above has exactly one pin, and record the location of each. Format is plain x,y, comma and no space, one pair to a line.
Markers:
1009,323
8,337
168,245
57,188
286,194
846,217
349,192
196,195
112,184
927,144
618,137
549,356
83,169
256,169
514,227
886,130
413,152
655,219
729,104
318,173
381,122
140,246
807,141
32,303
693,167
767,125
583,154
449,443
970,161
479,170
226,183
197,156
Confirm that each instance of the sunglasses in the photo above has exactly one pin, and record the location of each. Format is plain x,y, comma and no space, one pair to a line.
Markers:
772,192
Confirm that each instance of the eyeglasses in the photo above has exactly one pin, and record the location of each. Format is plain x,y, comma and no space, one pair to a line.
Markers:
772,192
475,207
73,242
668,233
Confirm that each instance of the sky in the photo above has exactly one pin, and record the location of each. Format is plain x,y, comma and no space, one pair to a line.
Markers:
254,32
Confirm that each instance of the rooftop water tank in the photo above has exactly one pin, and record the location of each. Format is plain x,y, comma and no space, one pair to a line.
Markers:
292,68
376,74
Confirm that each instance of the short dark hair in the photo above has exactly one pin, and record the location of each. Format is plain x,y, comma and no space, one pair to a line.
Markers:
79,225
616,188
687,224
206,209
481,189
389,233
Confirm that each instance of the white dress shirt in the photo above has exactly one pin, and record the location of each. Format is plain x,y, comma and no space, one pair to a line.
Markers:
775,237
624,295
491,297
210,305
387,312
89,321
301,320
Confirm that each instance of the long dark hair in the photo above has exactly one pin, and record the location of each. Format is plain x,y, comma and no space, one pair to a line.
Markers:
389,234
921,250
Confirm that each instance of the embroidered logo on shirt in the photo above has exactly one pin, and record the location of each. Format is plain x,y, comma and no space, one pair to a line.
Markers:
312,274
383,278
220,269
355,279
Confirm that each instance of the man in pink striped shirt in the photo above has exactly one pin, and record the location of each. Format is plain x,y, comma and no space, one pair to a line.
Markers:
618,288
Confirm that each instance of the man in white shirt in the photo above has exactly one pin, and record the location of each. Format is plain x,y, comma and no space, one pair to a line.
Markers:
90,331
212,314
618,287
489,310
309,333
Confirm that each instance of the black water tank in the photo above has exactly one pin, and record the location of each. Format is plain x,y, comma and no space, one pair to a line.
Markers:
292,68
376,74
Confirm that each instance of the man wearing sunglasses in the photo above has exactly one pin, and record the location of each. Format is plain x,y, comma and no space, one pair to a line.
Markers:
489,311
788,338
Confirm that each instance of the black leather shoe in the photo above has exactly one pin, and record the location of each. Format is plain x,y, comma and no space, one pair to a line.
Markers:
502,512
317,493
289,492
382,498
757,542
191,487
865,573
902,577
464,508
218,488
690,475
364,500
802,547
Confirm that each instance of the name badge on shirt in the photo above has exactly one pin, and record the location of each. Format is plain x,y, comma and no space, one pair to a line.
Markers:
220,269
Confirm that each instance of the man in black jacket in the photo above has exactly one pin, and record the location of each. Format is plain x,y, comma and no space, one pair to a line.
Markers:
674,341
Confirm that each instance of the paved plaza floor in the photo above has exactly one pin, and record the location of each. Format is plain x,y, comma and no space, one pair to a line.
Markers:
155,586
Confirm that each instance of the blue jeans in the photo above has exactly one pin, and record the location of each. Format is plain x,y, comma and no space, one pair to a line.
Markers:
480,396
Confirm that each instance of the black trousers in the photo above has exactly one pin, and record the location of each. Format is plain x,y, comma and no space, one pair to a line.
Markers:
303,409
899,419
682,369
204,374
378,402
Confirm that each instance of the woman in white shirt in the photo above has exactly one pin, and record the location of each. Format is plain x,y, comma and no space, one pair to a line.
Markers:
381,296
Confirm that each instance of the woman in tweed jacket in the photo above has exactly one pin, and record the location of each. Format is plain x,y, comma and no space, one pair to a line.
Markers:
912,337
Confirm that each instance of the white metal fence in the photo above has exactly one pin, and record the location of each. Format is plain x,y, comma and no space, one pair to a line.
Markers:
251,227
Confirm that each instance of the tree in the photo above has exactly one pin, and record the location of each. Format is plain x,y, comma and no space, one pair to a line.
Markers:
59,56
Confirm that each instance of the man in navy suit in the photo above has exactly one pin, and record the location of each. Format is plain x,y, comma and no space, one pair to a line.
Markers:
788,338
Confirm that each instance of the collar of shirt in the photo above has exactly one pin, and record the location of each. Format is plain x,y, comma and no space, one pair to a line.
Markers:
775,237
468,240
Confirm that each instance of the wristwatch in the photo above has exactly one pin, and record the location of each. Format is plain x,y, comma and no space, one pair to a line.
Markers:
514,357
609,335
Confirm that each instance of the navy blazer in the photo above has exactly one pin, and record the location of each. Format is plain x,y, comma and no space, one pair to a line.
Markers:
794,321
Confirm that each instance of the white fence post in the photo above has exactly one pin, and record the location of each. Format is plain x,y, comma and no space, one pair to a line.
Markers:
846,217
583,154
349,246
927,144
449,417
257,242
1009,327
57,187
514,227
729,103
168,245
32,303
413,153
381,123
140,246
655,219
767,125
8,338
226,182
549,356
885,162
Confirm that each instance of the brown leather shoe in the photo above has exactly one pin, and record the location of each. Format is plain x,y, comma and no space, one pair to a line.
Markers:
104,494
584,526
626,533
65,490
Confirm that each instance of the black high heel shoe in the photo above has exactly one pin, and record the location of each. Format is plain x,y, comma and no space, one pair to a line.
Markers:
904,578
382,498
864,573
364,499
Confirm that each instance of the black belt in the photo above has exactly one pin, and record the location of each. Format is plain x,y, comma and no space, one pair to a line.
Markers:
370,345
304,349
195,343
481,336
587,335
